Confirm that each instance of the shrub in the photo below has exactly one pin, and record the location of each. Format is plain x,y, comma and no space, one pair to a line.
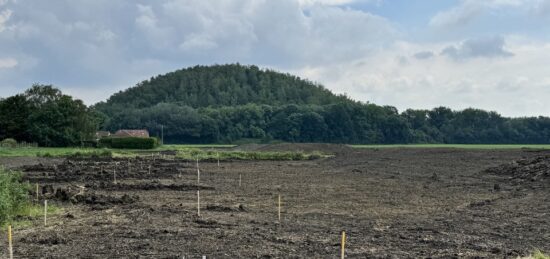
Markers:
13,194
9,142
92,154
105,143
129,143
46,154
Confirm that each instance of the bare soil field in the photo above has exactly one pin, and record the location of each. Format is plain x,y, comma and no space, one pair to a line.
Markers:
392,203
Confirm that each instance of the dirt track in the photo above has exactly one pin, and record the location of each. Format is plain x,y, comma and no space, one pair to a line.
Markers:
393,203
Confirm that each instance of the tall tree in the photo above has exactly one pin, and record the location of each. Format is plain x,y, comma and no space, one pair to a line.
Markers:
45,115
14,114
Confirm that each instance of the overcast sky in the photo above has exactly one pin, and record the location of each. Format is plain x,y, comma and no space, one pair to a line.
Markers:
490,54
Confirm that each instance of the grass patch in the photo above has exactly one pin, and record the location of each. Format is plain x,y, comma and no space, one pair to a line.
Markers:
540,255
15,206
460,146
67,152
183,147
193,154
29,213
109,152
537,255
93,152
53,152
14,195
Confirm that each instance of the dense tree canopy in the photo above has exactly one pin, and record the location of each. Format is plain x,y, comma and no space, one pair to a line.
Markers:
335,123
220,85
46,116
226,103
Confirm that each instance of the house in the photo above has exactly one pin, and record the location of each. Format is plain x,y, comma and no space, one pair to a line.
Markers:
131,133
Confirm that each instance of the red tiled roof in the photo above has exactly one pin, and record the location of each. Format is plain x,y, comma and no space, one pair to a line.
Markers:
132,133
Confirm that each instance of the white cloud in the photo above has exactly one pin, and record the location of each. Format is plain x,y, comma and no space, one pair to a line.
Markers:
516,86
468,10
4,17
8,63
275,32
309,3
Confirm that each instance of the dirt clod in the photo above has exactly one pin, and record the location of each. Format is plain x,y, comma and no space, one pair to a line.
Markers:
534,170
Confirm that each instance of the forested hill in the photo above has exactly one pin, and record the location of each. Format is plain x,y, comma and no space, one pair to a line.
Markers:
229,103
222,85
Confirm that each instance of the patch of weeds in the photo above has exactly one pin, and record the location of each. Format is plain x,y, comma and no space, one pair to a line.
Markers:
30,213
15,206
540,255
13,195
192,154
46,154
537,254
92,154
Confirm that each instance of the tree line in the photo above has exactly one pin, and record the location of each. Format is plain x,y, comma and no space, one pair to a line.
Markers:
229,103
342,122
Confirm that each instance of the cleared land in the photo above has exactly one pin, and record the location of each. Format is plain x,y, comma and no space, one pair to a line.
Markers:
393,203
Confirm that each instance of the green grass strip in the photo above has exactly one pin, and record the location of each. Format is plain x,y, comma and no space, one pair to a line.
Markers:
458,146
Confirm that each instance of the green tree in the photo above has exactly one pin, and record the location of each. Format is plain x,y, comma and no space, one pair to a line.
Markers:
56,119
14,114
45,115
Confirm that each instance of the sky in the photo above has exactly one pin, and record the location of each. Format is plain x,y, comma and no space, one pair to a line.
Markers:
488,54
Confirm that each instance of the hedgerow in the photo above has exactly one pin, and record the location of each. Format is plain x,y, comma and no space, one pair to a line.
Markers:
129,143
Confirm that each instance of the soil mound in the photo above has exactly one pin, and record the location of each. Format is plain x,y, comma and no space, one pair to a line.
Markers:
148,186
49,239
532,169
221,208
20,162
79,196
